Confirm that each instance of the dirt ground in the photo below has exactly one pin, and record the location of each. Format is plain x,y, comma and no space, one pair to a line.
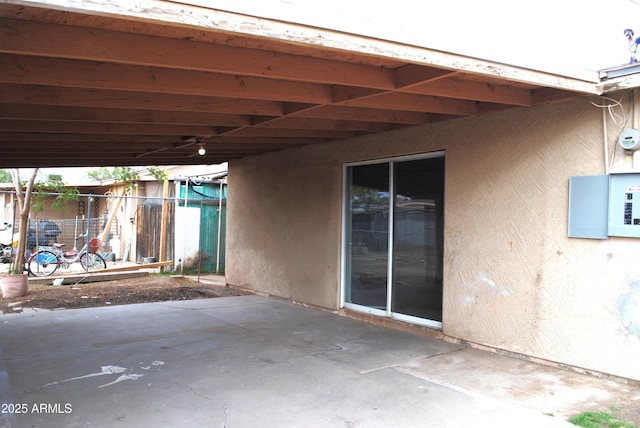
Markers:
151,288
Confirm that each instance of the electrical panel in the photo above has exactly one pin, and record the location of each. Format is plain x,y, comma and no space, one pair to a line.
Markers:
601,206
624,205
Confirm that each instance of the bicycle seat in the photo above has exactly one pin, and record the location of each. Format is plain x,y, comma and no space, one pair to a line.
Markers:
56,245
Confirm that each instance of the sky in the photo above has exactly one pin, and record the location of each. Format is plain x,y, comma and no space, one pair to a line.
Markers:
69,175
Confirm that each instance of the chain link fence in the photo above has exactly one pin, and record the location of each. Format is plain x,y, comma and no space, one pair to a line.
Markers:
186,227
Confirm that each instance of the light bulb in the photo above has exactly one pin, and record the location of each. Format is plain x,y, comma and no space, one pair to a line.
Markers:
201,150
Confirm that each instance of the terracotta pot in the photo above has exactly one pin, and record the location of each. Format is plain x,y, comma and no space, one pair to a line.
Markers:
14,285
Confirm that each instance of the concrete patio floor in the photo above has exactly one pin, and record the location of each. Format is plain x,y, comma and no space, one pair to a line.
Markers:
252,361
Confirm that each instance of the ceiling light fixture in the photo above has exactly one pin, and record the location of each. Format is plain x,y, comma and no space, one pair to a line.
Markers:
201,150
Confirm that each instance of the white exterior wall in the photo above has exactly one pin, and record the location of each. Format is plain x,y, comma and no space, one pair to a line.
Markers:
513,279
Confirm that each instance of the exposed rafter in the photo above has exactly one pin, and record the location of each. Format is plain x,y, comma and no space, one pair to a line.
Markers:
100,84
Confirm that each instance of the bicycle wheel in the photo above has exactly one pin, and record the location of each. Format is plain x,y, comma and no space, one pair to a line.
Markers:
42,263
93,260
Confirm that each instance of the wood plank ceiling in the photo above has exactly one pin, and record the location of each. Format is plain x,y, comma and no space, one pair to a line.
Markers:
85,90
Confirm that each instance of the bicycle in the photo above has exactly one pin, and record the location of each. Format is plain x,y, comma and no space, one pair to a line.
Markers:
48,259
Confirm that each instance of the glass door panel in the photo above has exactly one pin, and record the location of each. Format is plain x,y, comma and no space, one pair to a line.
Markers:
368,234
418,238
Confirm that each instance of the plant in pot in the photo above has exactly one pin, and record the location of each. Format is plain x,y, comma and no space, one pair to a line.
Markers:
14,283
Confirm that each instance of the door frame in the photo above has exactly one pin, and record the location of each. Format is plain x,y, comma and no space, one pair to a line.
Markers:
344,249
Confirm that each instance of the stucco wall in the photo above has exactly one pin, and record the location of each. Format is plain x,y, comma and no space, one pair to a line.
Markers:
283,226
513,279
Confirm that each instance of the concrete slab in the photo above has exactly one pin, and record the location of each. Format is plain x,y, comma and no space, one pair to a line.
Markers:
253,361
209,279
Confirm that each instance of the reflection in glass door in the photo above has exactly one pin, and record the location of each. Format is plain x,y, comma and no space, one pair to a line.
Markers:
394,232
369,241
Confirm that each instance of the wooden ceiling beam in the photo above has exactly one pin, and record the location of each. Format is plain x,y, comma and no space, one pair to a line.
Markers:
329,124
80,97
96,114
62,41
550,95
81,138
471,90
143,156
55,127
65,149
364,114
89,74
162,158
340,94
144,151
412,74
242,140
98,159
288,133
417,103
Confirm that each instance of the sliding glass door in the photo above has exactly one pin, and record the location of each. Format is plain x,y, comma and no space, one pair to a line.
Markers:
394,232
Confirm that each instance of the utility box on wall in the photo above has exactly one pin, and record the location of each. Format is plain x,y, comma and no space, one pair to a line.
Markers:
624,205
604,205
588,207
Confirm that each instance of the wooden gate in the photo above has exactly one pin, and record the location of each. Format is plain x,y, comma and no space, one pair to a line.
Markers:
148,221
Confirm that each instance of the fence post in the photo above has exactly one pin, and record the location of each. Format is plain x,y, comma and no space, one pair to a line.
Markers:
163,225
86,238
184,235
219,229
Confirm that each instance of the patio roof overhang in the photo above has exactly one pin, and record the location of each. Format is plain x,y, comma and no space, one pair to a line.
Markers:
99,83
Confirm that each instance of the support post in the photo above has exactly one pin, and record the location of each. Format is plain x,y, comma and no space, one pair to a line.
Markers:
163,224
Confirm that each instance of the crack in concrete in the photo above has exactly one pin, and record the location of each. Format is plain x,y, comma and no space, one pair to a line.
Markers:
404,363
222,406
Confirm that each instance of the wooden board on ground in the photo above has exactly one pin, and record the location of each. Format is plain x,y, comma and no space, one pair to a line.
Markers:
141,266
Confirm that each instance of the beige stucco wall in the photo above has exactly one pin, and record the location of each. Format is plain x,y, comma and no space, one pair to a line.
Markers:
513,279
286,226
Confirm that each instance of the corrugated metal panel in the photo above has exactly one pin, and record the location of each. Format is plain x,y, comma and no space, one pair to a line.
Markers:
205,196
